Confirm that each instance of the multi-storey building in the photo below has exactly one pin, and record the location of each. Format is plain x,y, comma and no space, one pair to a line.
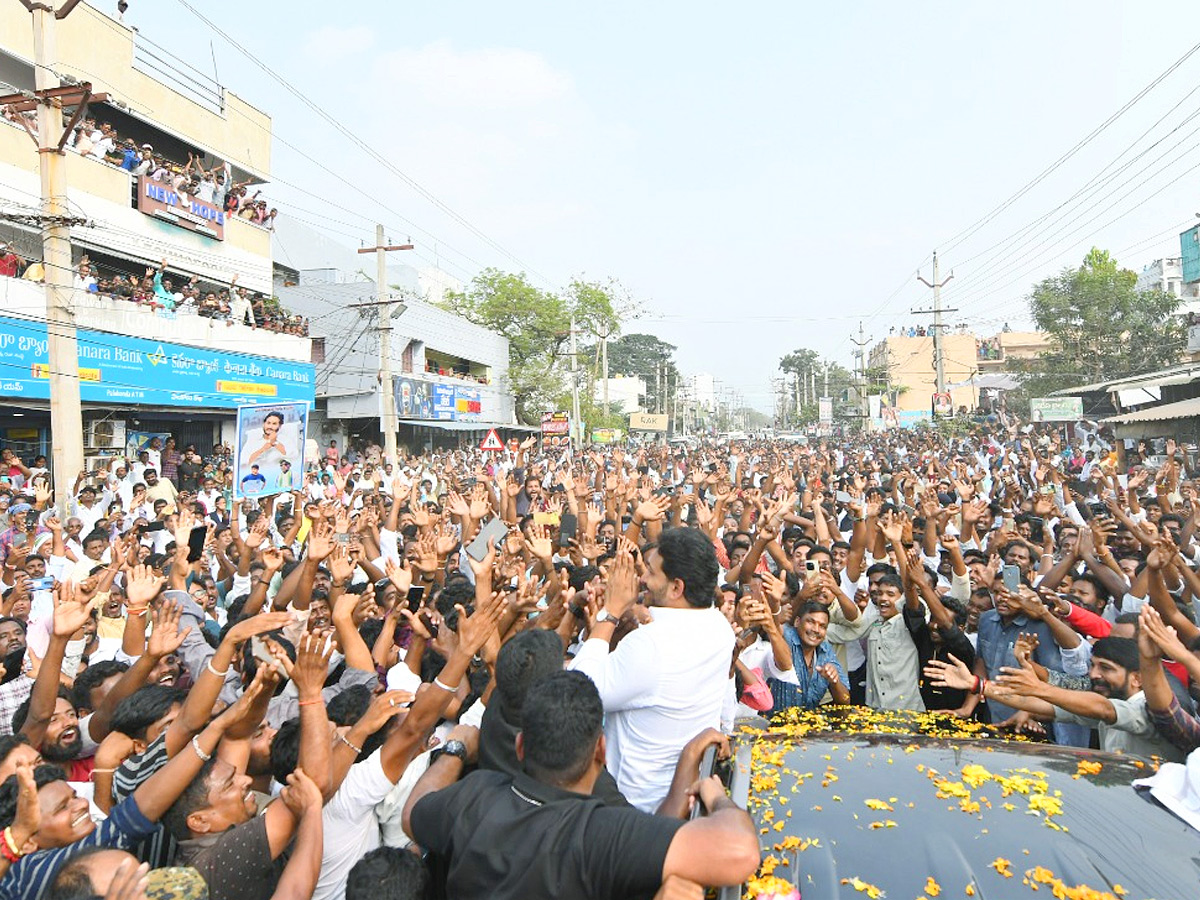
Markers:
141,368
450,376
908,361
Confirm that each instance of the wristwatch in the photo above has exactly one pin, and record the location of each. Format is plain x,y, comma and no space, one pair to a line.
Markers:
457,749
605,616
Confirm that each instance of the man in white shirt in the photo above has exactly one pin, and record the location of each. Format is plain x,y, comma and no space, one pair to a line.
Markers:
87,508
154,453
666,681
103,141
121,483
208,496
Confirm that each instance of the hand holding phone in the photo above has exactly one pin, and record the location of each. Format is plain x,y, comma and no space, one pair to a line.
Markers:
1012,577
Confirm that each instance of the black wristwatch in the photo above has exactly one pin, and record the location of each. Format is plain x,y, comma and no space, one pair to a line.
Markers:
457,749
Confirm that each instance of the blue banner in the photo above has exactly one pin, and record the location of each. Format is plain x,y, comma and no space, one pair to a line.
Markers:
129,370
443,402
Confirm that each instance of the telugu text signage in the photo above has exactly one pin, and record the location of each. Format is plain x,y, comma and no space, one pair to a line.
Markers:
132,371
1056,409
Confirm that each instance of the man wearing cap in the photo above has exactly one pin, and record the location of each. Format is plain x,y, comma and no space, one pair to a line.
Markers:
145,160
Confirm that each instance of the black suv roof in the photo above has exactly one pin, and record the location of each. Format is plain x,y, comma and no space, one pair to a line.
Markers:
906,816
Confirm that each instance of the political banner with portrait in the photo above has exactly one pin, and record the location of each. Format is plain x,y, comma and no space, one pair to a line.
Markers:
270,449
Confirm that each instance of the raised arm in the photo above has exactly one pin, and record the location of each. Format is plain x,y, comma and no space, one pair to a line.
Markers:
71,611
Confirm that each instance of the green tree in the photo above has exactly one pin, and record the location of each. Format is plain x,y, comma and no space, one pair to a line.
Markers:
1101,326
642,356
803,364
537,325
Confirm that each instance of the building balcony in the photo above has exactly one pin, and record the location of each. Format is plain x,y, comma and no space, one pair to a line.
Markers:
26,300
103,194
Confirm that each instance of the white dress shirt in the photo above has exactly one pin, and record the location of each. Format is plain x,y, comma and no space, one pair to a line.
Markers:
664,684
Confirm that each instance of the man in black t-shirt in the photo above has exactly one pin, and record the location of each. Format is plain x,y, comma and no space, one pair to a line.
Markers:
190,468
540,834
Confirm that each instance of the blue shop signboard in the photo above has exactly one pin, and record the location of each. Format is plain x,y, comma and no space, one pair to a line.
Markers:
119,369
443,402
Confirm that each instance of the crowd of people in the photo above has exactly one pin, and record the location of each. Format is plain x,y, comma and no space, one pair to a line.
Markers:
163,294
214,186
494,675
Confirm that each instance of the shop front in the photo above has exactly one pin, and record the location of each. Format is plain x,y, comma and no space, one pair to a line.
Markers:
132,385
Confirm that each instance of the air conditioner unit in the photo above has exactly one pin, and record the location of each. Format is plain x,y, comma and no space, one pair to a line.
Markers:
105,435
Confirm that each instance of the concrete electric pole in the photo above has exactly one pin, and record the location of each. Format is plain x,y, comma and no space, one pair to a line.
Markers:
860,354
939,361
385,308
576,424
49,99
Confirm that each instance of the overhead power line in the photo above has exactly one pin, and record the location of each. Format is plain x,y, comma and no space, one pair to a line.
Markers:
364,146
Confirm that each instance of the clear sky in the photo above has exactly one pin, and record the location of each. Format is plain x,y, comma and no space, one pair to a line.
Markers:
761,176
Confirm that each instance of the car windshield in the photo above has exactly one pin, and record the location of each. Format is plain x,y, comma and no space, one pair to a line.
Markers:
918,806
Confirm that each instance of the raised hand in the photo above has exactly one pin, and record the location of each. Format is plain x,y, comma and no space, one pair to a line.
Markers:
301,795
166,637
1163,636
1020,680
621,588
142,586
255,625
774,588
653,509
71,610
29,811
341,566
538,543
312,664
474,630
320,541
399,575
482,568
892,528
426,558
458,506
952,674
257,533
272,559
1024,648
479,503
383,707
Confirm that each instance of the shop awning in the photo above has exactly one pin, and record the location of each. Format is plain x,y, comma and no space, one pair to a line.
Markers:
1180,409
1162,378
466,426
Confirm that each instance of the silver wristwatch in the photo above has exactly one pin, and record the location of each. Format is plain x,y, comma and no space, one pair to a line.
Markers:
605,616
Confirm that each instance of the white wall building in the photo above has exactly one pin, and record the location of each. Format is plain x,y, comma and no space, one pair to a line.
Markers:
704,391
450,375
1163,275
625,393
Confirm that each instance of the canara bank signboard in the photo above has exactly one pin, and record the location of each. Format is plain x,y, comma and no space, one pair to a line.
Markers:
160,200
131,371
